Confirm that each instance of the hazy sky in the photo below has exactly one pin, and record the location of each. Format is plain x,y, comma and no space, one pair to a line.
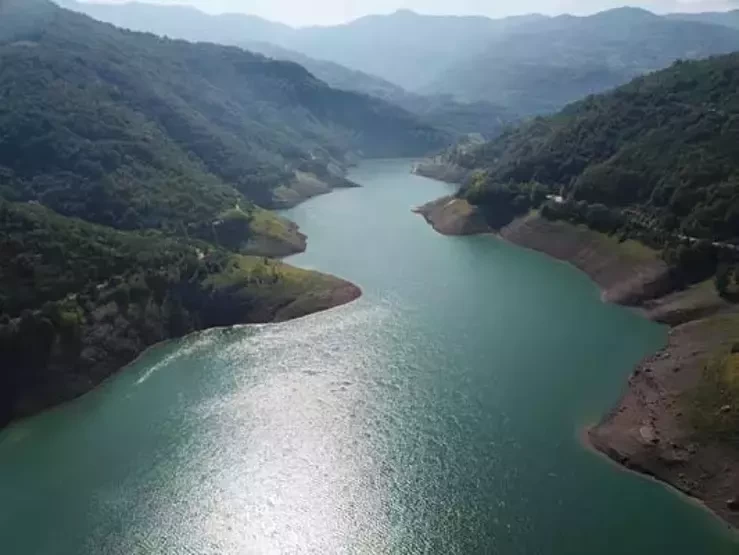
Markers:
312,12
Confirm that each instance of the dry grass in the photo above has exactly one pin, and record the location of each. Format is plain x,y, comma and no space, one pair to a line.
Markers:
714,403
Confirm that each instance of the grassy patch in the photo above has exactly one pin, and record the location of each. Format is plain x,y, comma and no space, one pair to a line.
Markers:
258,275
714,404
267,224
233,214
725,324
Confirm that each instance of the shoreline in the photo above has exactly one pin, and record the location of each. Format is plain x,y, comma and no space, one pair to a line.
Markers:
583,437
107,347
647,431
8,426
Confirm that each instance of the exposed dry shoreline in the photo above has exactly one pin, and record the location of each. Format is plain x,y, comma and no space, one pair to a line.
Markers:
649,430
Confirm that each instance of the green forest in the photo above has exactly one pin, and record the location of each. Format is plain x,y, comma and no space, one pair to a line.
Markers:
657,159
133,131
134,174
79,300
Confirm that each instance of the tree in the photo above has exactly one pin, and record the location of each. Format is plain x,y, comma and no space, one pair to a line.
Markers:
723,279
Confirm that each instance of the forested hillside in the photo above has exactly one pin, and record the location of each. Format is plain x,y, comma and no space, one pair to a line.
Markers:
405,48
132,168
440,111
659,154
252,33
544,65
136,131
78,301
510,67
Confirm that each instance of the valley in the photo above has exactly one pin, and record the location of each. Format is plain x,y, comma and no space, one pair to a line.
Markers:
213,286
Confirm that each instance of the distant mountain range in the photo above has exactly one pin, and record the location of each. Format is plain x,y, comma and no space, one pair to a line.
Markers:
540,67
509,67
728,19
405,48
274,40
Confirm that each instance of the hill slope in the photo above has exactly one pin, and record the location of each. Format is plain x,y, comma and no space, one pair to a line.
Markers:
129,171
78,301
135,131
254,35
441,112
545,65
663,148
405,48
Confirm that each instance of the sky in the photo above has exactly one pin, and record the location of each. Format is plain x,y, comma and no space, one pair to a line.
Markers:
329,12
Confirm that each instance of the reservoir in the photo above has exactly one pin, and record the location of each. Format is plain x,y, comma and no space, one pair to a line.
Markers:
440,413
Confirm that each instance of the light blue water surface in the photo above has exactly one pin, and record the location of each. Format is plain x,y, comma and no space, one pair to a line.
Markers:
440,414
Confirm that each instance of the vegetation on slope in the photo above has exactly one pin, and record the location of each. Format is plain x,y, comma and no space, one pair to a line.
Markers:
78,300
254,34
440,111
714,403
664,145
542,66
521,65
655,159
131,173
135,131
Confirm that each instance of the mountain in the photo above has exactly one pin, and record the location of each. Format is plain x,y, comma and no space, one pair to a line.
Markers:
728,19
133,175
179,21
405,47
440,111
250,32
542,66
469,68
134,131
79,301
659,153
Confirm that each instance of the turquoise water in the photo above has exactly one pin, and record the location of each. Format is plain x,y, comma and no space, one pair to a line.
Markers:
440,413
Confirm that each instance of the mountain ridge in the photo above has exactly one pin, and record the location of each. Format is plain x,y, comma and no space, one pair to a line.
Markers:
585,55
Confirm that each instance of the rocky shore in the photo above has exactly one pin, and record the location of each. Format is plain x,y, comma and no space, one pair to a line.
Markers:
651,430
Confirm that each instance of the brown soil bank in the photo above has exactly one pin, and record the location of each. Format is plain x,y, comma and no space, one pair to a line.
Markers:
628,273
671,422
654,429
